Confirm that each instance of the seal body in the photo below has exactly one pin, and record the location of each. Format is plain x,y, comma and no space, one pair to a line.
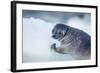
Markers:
73,41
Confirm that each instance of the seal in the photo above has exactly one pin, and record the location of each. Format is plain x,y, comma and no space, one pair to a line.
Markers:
72,41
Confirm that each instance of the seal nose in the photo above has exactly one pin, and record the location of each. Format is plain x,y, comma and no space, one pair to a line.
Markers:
53,36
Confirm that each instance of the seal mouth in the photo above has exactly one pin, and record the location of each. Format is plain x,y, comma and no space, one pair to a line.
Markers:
60,39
